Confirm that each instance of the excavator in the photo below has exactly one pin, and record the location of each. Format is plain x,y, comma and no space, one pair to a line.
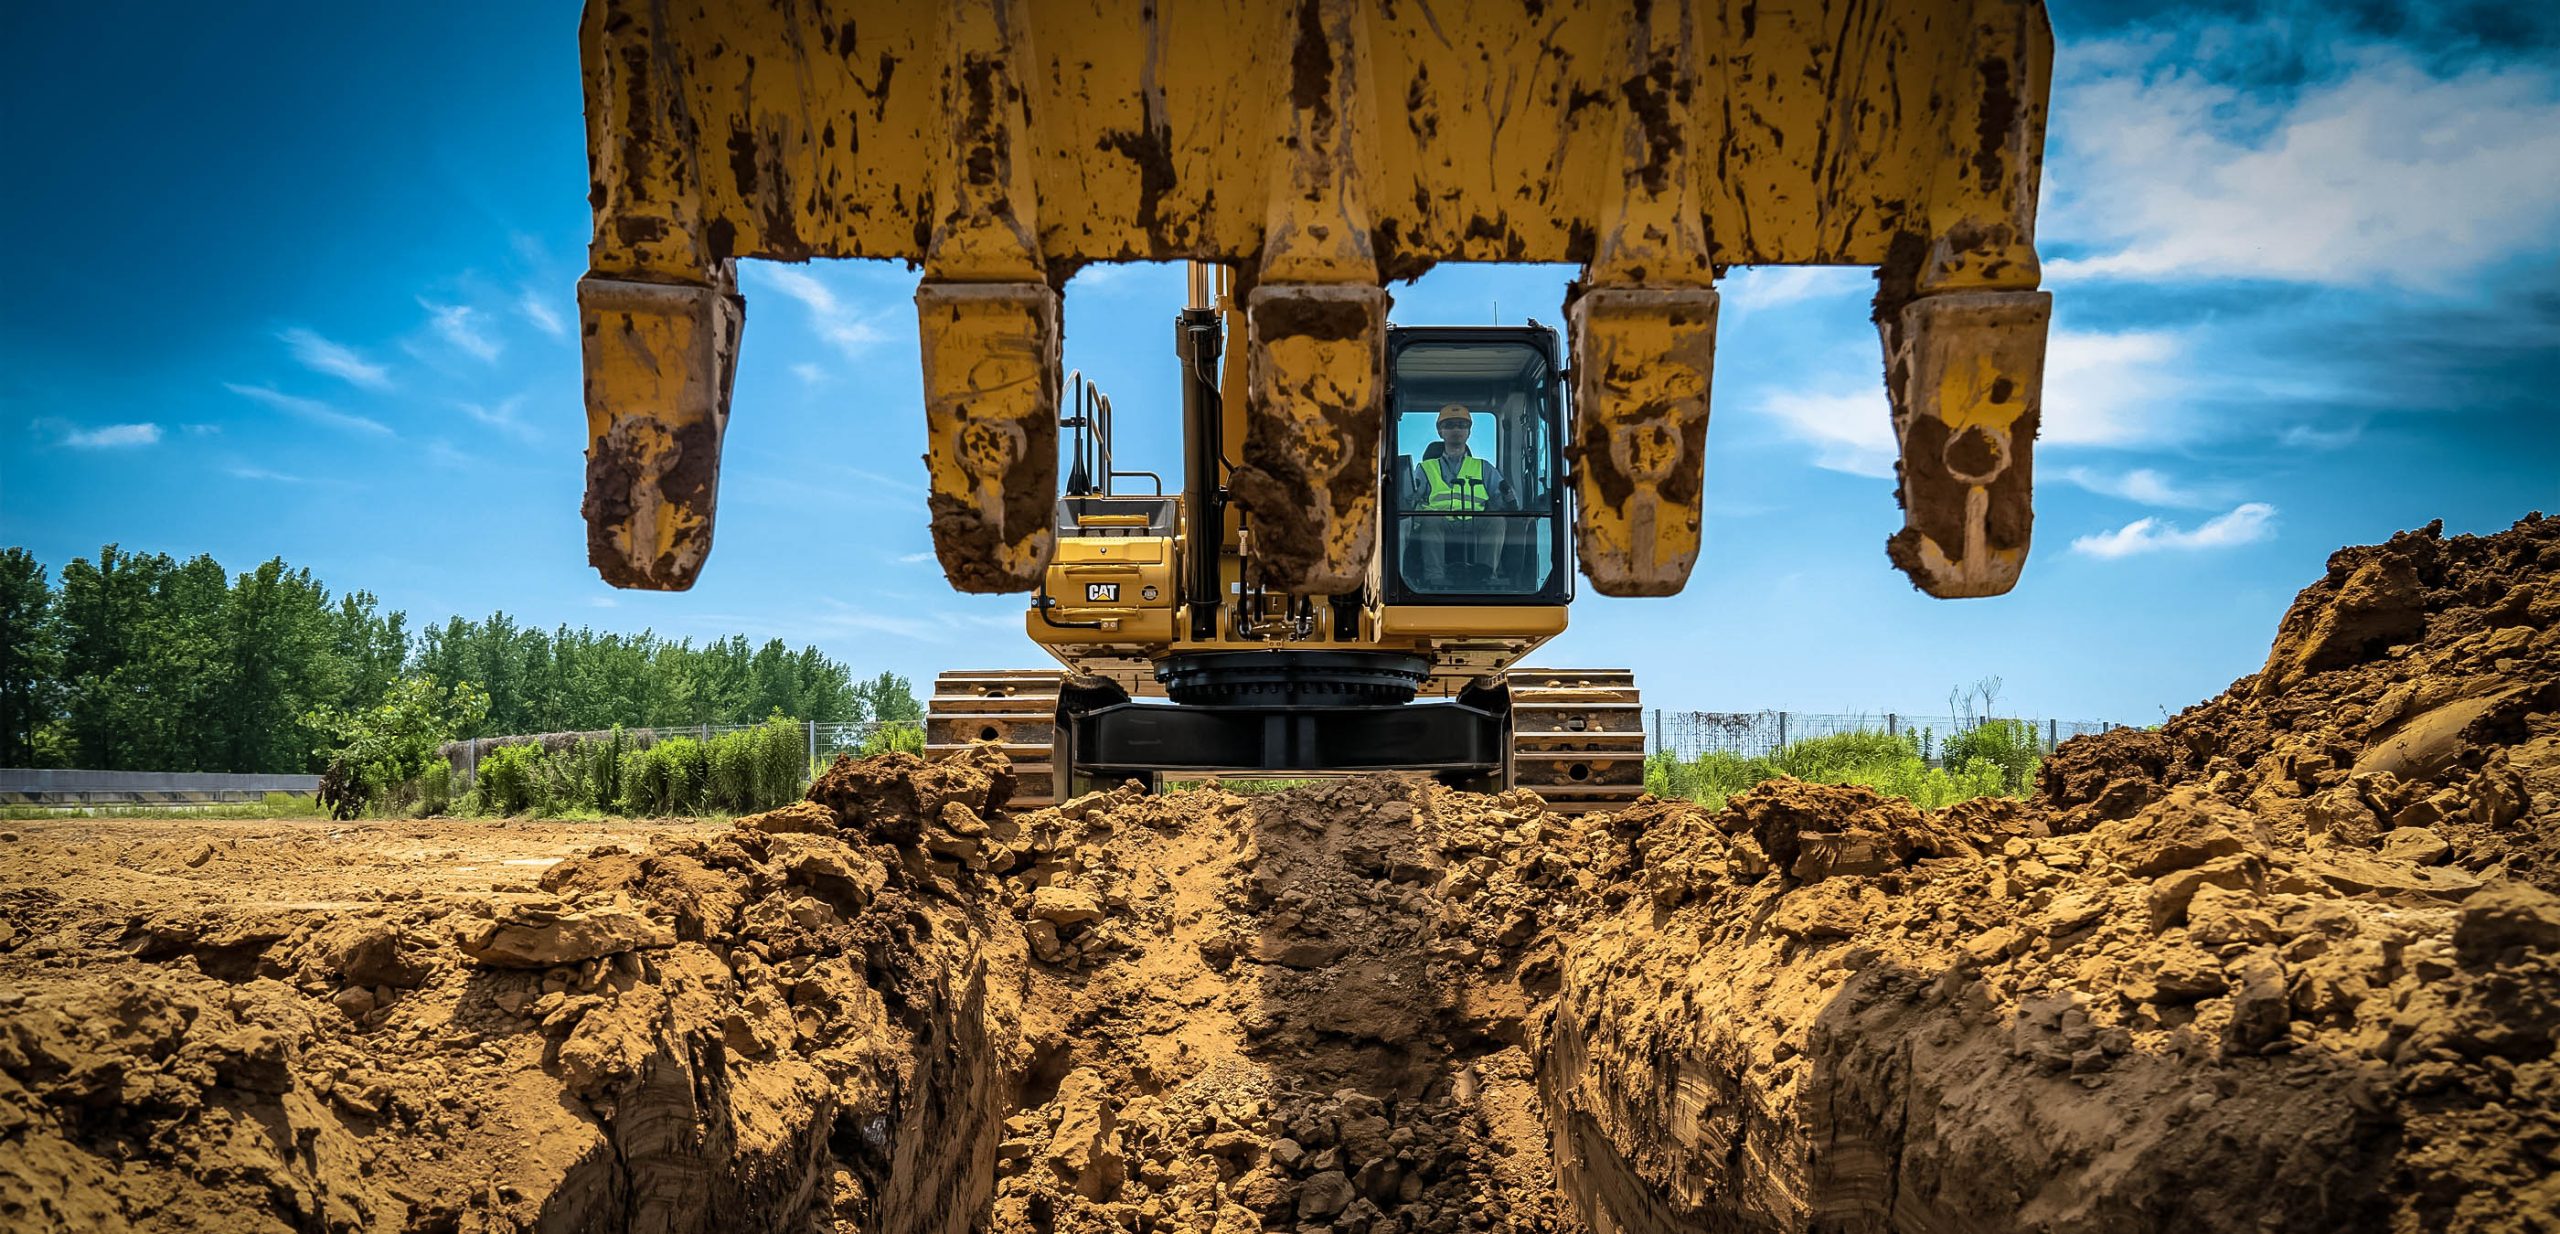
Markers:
1370,534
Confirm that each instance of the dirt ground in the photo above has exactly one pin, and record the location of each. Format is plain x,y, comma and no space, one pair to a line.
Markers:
2290,962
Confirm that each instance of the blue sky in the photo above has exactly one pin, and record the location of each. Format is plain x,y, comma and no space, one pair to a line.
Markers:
300,283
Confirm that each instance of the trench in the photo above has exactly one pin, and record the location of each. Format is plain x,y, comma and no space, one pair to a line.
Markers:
2290,961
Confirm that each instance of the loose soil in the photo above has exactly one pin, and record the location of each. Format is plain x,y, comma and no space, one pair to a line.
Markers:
2290,962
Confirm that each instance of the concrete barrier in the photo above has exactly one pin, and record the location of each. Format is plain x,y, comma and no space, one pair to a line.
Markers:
28,786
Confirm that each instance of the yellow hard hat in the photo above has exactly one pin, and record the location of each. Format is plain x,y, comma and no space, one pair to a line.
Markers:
1455,411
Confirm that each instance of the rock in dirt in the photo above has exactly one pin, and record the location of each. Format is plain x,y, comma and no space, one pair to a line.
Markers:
546,936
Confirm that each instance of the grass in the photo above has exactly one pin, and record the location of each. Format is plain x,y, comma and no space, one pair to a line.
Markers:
1889,764
274,805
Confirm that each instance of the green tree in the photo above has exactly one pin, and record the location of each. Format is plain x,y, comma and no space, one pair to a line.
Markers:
369,752
30,660
181,673
103,614
283,648
371,647
889,698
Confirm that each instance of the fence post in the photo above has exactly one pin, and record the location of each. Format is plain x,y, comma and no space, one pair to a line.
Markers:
813,743
1657,729
1782,731
1892,725
2051,740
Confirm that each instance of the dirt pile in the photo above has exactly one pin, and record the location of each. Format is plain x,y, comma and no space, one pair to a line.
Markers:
2291,962
2405,709
750,1028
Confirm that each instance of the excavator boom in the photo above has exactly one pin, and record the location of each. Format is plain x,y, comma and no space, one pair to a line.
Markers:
1319,149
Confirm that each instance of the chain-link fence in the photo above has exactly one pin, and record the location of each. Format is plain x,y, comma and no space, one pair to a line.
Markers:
1760,734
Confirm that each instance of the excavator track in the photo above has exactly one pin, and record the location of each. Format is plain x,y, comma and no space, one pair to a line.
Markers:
1016,709
1577,737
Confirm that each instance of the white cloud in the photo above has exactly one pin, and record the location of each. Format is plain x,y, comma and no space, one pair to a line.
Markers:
1102,276
807,372
914,559
262,475
2383,174
2099,390
887,483
501,417
112,437
2111,389
842,328
2142,484
1760,287
453,323
845,618
321,355
309,409
539,311
2245,524
1849,431
2313,437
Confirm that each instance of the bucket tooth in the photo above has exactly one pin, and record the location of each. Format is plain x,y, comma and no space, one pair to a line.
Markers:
991,418
1311,433
1644,362
1966,372
660,359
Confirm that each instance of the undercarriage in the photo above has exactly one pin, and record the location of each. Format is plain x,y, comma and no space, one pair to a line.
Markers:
1575,737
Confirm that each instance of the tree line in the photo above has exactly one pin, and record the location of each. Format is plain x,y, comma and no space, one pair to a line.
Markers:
144,662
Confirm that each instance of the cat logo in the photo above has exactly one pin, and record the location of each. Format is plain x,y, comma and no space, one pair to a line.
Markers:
1102,593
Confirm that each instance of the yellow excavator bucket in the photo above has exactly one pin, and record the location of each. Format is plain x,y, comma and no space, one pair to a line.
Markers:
1319,149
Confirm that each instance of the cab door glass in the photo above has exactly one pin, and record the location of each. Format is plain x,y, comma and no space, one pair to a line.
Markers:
1472,479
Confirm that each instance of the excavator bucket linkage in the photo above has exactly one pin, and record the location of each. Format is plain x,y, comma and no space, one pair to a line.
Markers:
1319,148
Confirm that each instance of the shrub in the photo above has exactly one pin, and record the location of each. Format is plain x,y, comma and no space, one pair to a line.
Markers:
603,761
374,755
1844,758
509,778
670,780
435,789
2009,745
757,768
888,735
1708,779
1892,764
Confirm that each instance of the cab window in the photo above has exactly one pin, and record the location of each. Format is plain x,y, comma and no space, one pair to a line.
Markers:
1472,477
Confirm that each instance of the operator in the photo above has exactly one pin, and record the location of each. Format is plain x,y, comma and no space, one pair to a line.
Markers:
1459,552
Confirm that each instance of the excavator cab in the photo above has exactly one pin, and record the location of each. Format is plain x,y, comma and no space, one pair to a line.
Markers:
1473,480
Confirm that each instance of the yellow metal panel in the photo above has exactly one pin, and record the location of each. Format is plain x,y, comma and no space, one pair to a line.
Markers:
1469,621
1113,550
1819,130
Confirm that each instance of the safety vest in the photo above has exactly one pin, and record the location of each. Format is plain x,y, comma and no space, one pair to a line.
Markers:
1467,492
